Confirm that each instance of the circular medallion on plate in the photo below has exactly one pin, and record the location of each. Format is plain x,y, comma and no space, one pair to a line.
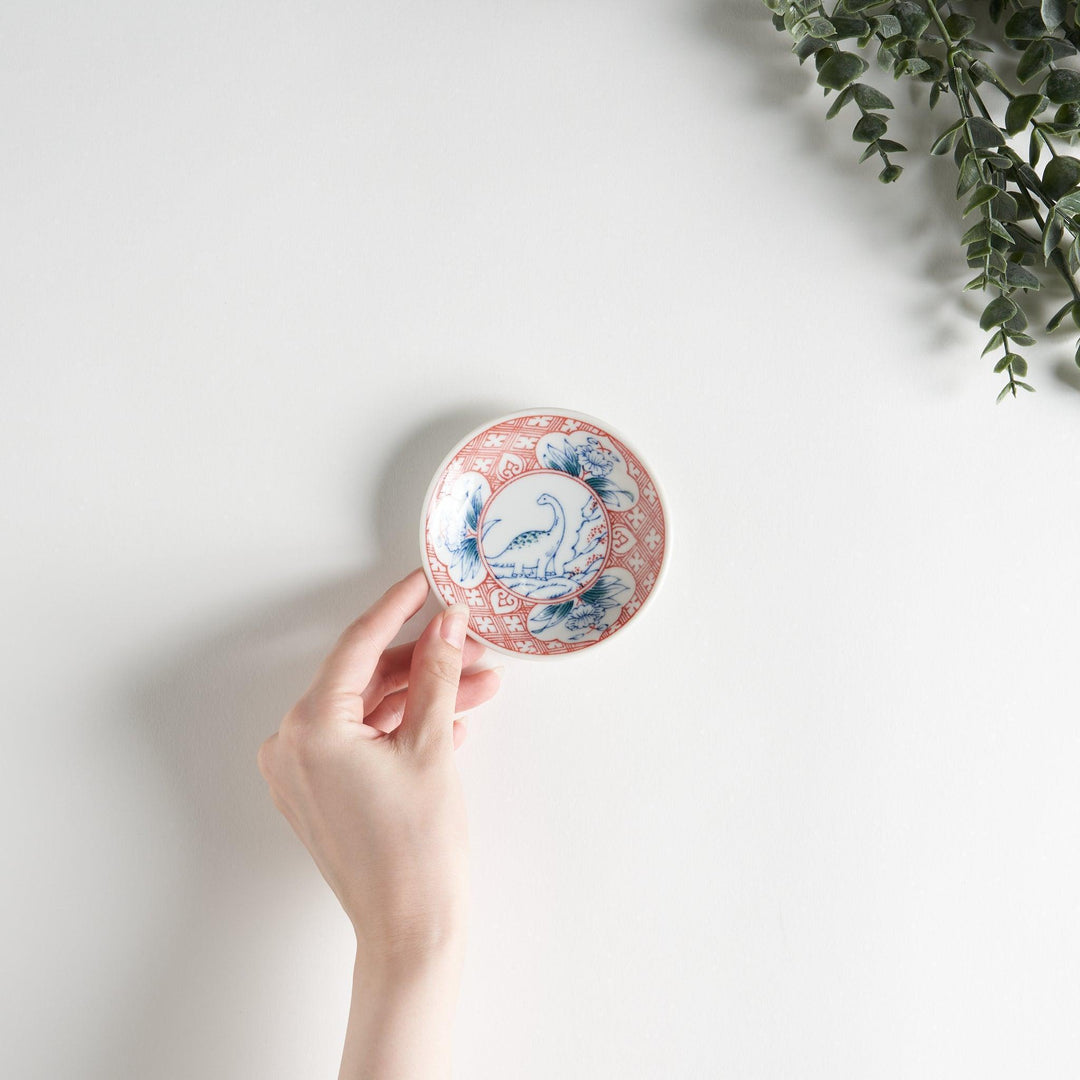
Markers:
550,527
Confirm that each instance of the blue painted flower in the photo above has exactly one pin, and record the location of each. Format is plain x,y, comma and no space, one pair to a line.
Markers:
587,616
597,457
591,460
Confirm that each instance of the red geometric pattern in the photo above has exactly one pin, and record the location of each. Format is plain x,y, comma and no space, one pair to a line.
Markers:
503,452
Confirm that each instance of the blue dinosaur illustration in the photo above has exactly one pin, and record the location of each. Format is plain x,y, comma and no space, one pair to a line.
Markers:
534,549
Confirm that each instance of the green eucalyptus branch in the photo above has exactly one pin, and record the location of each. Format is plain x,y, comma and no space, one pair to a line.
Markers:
1027,228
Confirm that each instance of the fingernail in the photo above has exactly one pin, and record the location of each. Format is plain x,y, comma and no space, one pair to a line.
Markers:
454,622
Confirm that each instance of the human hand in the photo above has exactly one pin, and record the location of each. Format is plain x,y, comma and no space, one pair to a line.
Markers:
362,767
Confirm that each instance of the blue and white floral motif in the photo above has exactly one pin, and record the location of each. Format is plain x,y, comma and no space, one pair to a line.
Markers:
588,615
591,459
452,528
545,536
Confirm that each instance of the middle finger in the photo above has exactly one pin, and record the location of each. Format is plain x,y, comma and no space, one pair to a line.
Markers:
392,671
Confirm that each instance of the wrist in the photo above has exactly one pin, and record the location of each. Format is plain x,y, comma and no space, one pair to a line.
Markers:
411,953
404,997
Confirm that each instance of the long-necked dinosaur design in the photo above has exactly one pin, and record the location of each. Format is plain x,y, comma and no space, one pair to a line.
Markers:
534,549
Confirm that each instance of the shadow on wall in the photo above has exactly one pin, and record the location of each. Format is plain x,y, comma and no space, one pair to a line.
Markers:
917,221
204,714
917,227
1067,374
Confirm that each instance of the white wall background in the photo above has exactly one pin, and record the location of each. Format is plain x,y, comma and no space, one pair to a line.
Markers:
815,816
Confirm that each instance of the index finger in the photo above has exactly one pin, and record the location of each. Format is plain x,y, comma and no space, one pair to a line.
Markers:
353,659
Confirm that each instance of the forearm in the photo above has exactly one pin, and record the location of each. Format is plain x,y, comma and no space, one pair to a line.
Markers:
402,1015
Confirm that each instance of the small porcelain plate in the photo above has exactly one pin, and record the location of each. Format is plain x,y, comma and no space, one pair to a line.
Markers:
550,527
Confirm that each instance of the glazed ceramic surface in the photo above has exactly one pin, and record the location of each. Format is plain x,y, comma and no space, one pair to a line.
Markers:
549,527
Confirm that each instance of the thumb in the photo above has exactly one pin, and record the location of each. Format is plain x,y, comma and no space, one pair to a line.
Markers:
433,680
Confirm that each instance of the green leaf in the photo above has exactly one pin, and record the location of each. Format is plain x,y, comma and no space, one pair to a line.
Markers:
915,66
869,152
1063,86
1026,172
1025,25
978,282
870,98
1060,176
997,312
1036,56
1069,204
1028,247
982,133
1053,13
1022,110
1034,147
944,142
1018,322
889,25
1024,385
983,194
891,147
979,231
840,69
1076,358
869,127
1004,207
1019,277
959,26
1067,118
811,46
841,100
914,18
820,27
1059,317
936,69
998,229
1022,339
1051,236
969,175
890,173
1004,390
1019,364
847,27
994,342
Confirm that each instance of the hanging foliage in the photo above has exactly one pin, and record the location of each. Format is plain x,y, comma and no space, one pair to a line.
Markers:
1016,106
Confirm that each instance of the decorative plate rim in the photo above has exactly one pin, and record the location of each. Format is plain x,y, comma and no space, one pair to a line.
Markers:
573,414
